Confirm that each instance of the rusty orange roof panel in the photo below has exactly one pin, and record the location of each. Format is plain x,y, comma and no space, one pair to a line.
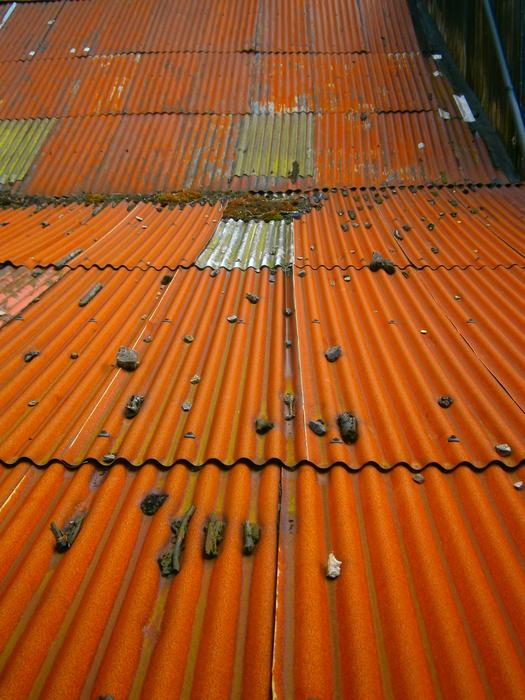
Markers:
428,600
105,597
436,227
114,235
208,152
221,83
208,354
428,596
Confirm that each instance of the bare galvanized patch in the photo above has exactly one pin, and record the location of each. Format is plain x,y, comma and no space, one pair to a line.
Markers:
245,244
20,142
278,145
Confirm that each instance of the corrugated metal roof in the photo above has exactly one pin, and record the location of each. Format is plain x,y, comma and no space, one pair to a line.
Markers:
248,357
100,620
20,142
118,235
25,28
127,26
254,244
221,83
203,152
20,286
276,145
421,228
429,601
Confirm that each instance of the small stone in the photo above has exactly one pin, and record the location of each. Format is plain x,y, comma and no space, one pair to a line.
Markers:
109,458
406,274
147,339
518,485
453,438
195,379
318,427
104,434
32,403
344,227
288,343
214,273
133,405
252,298
139,218
31,355
127,358
423,331
457,297
333,566
430,227
347,278
418,478
434,250
398,235
406,227
263,426
288,312
445,401
44,224
190,436
74,356
232,319
347,424
302,273
333,353
152,502
503,449
470,320
186,406
188,339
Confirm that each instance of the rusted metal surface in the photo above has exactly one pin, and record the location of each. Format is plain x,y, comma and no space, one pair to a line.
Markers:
439,227
117,235
202,152
109,583
430,587
266,363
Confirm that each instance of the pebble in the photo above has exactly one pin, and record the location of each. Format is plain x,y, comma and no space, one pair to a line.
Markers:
503,449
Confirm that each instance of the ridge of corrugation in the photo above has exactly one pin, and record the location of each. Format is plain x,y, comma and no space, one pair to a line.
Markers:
106,600
446,228
428,602
248,357
221,83
276,145
20,286
202,151
20,142
115,236
244,244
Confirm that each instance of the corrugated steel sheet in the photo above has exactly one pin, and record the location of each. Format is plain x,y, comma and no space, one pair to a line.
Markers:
429,597
100,620
204,152
347,83
117,235
429,601
20,287
221,83
248,357
23,32
422,228
276,145
20,142
127,26
244,244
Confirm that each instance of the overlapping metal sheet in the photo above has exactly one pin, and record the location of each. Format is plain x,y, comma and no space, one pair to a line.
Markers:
117,235
220,83
429,601
128,26
20,142
20,286
23,28
205,152
212,362
244,244
276,145
421,228
100,620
